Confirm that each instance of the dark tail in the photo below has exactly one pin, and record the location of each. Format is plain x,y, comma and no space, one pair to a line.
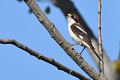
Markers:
93,49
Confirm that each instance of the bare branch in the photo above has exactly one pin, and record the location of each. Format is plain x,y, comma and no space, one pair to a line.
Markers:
100,38
62,42
44,58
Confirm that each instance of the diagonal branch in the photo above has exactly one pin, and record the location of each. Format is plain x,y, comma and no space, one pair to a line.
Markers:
61,41
44,58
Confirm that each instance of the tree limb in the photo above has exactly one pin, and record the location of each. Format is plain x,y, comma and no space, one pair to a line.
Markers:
61,41
44,58
100,38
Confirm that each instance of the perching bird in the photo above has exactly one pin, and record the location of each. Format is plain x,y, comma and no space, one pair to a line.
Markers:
79,34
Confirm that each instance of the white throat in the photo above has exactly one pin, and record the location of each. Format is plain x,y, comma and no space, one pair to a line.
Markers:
70,21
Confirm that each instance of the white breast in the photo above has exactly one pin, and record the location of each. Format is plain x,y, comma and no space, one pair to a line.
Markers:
74,37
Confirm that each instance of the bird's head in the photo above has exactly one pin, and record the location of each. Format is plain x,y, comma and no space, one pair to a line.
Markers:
72,18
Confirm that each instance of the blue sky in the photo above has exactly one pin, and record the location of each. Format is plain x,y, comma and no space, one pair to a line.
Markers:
16,23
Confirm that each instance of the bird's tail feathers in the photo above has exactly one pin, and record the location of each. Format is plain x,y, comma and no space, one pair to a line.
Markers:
93,49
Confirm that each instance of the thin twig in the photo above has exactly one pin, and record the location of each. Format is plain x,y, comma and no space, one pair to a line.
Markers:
44,58
62,42
101,66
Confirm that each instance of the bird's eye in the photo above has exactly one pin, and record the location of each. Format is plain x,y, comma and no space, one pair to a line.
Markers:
73,17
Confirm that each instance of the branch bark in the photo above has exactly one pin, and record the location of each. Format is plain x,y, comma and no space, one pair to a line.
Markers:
100,38
62,42
44,58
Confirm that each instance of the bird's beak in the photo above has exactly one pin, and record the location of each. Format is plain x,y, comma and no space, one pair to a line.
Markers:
68,15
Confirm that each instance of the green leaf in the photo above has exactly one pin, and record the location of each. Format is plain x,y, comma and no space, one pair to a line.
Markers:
47,10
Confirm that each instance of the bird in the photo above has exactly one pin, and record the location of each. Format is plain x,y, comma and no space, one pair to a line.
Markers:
79,34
